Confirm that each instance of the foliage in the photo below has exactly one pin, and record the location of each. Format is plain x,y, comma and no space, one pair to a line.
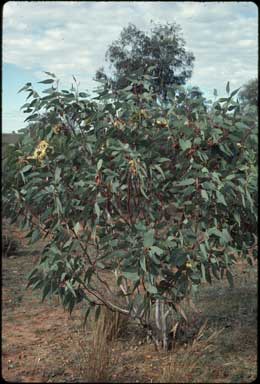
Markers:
157,198
163,50
249,93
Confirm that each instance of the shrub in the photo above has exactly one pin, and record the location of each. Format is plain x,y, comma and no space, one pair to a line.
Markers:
134,196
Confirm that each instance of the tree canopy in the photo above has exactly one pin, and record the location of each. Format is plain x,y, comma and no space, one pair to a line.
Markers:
163,50
249,93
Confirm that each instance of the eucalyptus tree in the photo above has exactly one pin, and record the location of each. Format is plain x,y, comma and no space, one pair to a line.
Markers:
139,203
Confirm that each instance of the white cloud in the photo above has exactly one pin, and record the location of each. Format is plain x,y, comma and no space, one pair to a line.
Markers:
247,43
71,37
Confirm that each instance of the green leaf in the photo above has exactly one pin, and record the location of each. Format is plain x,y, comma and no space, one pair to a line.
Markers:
71,305
178,257
215,270
203,273
215,231
156,166
47,81
204,194
25,87
220,198
230,278
32,117
230,177
57,177
86,315
154,258
82,94
185,182
228,87
26,168
184,144
133,276
32,273
88,274
149,238
243,199
233,93
156,250
36,235
143,192
237,218
97,209
204,252
77,228
58,205
99,164
226,236
49,91
140,226
208,276
249,199
49,74
143,263
151,288
46,290
163,159
119,253
71,288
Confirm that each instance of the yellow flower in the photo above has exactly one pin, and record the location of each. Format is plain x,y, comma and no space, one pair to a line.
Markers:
57,129
132,164
40,151
43,145
143,113
162,123
42,155
188,264
39,154
120,124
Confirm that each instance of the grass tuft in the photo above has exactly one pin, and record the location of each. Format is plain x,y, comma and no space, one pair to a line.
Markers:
95,356
188,364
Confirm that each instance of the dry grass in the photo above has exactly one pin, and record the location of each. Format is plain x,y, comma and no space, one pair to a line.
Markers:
9,245
112,323
95,354
187,364
101,356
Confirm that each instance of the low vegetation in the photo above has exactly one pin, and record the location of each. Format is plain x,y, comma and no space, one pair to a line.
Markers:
41,343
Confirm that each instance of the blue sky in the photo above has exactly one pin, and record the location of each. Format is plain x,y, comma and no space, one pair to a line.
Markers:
71,38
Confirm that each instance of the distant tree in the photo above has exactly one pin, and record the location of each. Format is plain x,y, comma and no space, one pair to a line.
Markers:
163,50
249,93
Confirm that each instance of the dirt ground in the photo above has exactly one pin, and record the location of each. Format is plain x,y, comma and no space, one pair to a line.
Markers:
42,343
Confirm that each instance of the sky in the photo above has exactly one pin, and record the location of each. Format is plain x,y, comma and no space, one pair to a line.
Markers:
71,38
